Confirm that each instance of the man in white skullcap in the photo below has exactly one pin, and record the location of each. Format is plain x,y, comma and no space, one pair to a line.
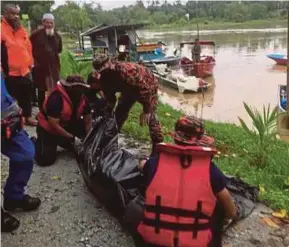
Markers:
48,23
46,47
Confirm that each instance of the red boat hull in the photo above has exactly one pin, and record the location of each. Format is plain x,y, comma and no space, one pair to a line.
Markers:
201,70
281,61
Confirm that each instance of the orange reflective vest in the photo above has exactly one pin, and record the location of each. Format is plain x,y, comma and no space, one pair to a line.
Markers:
66,113
179,201
19,49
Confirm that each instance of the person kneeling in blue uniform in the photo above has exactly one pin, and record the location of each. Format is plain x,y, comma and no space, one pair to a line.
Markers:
162,175
17,146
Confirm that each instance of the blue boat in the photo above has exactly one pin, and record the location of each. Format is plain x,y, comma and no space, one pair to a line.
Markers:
282,115
280,59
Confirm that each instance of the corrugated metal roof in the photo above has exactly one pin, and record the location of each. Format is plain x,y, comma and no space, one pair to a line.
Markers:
103,27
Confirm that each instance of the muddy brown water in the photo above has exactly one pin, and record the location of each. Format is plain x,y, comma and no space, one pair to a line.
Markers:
242,73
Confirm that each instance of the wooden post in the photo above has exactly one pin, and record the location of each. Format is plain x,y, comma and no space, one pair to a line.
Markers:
287,88
197,15
79,39
115,36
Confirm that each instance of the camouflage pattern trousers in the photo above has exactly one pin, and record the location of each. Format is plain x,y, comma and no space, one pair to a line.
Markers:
125,103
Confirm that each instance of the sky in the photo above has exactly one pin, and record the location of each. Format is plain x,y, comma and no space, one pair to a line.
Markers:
107,4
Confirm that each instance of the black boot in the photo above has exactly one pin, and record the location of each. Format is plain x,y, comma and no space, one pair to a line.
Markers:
28,203
8,222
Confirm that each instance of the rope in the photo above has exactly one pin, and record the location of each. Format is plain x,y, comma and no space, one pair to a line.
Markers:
203,99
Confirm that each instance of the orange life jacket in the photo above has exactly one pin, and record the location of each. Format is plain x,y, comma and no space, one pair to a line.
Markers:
66,113
19,49
179,201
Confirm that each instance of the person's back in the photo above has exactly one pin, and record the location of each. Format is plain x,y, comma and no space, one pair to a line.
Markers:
185,171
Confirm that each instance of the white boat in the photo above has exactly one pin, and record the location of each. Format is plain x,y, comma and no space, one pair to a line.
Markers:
177,81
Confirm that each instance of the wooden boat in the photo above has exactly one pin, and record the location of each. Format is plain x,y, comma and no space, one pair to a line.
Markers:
283,129
146,52
121,40
202,69
170,61
278,58
181,83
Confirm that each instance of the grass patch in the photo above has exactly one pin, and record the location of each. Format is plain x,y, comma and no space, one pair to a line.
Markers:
237,150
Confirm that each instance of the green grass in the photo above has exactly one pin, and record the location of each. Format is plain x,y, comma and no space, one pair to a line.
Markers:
237,150
214,25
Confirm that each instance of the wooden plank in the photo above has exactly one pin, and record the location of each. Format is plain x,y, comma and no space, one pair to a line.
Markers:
144,48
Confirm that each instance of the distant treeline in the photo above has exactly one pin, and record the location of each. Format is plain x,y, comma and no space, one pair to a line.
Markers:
74,17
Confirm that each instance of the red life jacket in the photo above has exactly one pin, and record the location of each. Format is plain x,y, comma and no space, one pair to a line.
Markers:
66,113
179,201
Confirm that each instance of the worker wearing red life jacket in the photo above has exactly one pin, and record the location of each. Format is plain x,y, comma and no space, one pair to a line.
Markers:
66,117
183,189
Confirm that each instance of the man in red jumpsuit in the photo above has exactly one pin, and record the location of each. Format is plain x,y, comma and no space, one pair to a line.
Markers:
136,84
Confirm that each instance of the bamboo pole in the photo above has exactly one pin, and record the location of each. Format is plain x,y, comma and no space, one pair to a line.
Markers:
287,87
197,15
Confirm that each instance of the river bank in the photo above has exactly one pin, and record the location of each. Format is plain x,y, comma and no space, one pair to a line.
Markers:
220,25
236,156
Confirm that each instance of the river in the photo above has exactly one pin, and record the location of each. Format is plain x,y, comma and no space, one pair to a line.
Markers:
242,73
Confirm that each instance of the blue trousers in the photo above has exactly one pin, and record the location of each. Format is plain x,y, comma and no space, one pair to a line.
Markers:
20,150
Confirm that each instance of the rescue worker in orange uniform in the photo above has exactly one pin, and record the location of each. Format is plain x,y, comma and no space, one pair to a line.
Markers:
183,189
65,118
17,60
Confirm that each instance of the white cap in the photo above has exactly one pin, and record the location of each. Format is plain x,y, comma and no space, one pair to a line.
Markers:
48,16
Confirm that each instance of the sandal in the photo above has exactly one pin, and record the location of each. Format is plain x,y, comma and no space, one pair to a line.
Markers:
8,222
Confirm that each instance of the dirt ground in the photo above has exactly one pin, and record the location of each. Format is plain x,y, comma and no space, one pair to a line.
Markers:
71,217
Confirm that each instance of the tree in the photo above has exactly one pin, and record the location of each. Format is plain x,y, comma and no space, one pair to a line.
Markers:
236,12
160,18
257,11
34,9
73,17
